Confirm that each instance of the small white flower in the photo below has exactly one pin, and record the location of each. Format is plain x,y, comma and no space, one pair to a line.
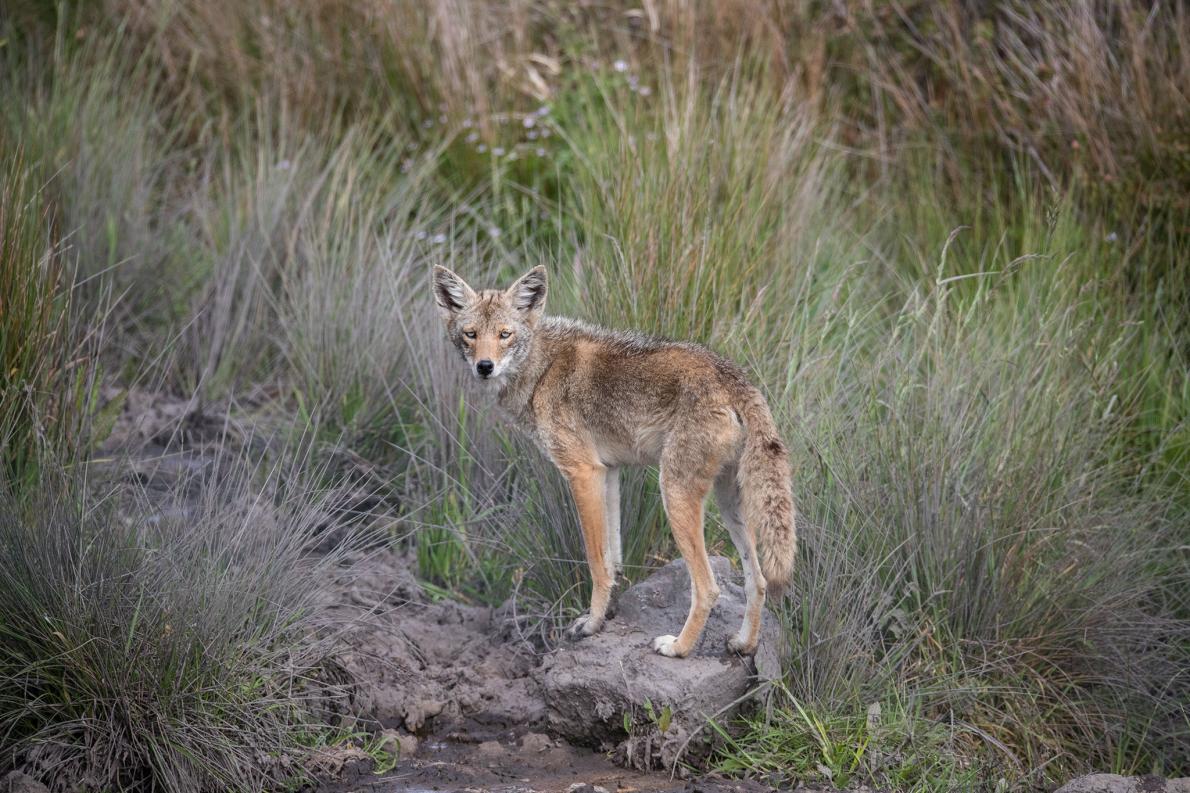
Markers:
545,132
419,235
644,90
429,122
472,137
481,148
468,123
543,111
531,135
438,239
529,121
539,151
498,151
493,231
620,66
1112,237
284,165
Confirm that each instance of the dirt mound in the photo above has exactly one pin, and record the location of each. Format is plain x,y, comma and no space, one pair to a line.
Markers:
479,698
428,666
471,703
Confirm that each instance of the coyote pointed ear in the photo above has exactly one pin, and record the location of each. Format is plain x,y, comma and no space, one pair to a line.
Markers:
528,293
451,293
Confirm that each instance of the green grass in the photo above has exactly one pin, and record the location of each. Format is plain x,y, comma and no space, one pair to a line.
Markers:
971,330
47,363
886,745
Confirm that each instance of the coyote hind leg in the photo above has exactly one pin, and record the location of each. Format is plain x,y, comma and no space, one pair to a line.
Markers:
727,495
684,496
613,556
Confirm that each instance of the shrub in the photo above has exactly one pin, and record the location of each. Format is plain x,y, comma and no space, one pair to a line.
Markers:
162,644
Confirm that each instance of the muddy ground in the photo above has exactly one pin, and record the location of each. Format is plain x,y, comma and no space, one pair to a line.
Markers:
466,697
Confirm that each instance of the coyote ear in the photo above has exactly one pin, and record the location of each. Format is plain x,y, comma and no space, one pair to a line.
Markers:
528,293
451,293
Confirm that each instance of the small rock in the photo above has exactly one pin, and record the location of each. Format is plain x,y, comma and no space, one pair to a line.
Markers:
1114,783
536,742
583,787
402,744
490,749
418,713
16,782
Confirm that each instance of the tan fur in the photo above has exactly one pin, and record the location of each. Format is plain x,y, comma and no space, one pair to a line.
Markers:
596,400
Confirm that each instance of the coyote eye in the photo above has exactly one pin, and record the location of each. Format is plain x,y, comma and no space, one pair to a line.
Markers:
469,334
504,334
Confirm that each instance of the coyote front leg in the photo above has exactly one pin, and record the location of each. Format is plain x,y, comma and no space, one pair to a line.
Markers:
588,485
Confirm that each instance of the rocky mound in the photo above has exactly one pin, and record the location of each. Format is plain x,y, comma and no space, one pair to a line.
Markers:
427,667
613,691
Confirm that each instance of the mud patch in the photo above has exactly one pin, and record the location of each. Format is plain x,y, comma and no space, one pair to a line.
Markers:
482,709
424,666
503,761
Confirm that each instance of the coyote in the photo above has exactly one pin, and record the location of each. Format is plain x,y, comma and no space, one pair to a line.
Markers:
597,399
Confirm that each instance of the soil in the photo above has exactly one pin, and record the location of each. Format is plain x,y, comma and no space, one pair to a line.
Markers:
466,697
460,681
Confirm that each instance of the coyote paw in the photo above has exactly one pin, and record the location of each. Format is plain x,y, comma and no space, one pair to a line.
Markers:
737,645
667,646
584,626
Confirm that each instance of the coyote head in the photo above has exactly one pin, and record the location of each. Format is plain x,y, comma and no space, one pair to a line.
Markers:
491,329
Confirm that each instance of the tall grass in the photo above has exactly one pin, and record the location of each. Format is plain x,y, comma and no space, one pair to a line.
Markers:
163,642
942,236
103,161
47,364
976,539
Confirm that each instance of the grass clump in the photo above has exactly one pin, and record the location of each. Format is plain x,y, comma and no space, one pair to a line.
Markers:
46,359
164,644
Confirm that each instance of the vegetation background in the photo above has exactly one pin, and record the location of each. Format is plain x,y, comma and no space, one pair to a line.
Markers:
949,239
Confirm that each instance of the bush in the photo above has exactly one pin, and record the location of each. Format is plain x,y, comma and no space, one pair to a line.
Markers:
162,644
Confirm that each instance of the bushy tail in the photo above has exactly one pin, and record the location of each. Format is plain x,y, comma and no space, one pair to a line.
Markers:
767,493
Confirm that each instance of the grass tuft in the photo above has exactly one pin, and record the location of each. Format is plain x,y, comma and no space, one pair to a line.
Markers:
163,640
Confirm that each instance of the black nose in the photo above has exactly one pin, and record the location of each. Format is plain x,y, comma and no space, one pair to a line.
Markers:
484,367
